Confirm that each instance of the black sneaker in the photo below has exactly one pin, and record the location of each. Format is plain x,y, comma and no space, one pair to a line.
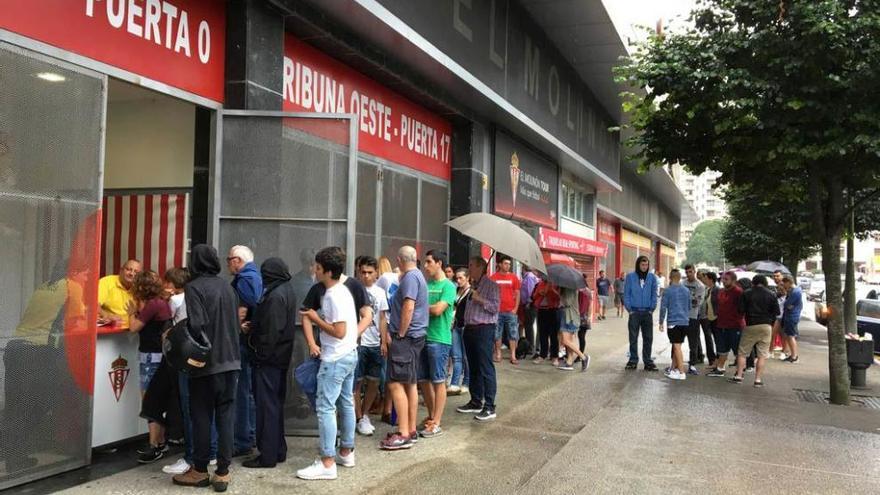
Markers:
585,364
716,373
650,367
146,449
735,379
791,360
486,415
631,366
153,455
470,407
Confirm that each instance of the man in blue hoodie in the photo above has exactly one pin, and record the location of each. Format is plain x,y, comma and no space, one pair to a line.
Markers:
640,299
248,284
675,306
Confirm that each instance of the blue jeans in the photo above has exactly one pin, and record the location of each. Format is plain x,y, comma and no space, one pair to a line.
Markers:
641,320
245,437
335,389
479,341
183,385
460,370
507,329
435,357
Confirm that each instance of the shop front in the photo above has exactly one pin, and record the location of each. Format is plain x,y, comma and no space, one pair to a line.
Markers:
632,246
609,234
588,255
665,258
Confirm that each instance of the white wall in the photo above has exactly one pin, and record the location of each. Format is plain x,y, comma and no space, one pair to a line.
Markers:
150,141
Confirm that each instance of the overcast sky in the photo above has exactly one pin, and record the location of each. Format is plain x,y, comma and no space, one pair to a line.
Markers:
626,14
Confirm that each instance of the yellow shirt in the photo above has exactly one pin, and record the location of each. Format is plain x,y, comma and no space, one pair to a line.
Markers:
114,298
42,310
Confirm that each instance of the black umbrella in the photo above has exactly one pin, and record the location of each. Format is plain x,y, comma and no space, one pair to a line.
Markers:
565,276
767,267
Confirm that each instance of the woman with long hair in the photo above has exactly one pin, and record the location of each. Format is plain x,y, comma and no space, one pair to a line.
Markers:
459,382
389,279
148,316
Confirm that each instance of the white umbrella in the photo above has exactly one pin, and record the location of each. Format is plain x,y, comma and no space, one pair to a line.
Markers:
501,235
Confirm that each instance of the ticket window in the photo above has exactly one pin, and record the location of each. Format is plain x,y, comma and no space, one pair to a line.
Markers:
151,189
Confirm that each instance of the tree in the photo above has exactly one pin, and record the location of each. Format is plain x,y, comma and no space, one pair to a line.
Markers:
766,227
779,97
704,245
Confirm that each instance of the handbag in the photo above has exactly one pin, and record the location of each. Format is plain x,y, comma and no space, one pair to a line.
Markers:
183,350
306,376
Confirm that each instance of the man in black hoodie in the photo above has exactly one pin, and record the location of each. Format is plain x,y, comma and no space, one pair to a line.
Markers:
212,308
271,338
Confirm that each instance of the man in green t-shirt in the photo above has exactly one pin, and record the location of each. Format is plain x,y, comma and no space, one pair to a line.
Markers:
438,342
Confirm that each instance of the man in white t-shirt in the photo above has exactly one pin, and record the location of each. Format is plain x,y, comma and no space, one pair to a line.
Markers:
339,334
371,354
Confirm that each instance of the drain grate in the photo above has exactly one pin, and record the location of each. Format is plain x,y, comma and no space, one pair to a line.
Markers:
818,397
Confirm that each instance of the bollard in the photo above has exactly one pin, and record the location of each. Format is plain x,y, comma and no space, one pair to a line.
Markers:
859,357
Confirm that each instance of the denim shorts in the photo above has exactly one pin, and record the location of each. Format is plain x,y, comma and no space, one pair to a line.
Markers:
434,358
507,327
149,363
790,328
371,364
569,327
727,341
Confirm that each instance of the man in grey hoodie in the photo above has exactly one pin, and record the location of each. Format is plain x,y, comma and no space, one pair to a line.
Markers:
698,292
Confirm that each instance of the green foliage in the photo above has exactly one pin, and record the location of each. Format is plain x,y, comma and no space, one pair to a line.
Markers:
766,227
704,245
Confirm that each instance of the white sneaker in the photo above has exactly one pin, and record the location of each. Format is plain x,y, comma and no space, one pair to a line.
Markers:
453,390
365,427
317,471
212,462
677,375
345,461
179,467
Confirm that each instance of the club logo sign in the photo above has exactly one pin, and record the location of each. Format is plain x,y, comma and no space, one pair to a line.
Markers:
118,373
526,185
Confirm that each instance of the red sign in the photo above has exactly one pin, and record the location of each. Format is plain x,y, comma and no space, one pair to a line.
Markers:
391,126
180,43
557,241
607,231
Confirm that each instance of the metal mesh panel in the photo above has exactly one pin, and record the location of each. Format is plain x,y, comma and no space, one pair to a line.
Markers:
285,167
434,213
50,151
399,212
365,239
284,192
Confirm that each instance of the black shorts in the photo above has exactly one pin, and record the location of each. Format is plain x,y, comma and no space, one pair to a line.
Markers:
677,334
404,359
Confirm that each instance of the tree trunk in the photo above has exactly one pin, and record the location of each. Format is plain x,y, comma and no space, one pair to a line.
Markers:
849,294
838,371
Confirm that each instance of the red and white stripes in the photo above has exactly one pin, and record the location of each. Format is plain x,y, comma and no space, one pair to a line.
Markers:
149,227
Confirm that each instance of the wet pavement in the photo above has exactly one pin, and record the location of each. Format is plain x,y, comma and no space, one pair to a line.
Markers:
606,431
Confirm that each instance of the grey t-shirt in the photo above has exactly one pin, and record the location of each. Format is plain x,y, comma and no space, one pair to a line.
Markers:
412,286
698,292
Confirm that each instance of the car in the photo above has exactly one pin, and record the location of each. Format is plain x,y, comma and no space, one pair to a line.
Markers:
817,288
868,320
805,280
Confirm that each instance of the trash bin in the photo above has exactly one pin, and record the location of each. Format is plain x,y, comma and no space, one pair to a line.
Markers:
859,356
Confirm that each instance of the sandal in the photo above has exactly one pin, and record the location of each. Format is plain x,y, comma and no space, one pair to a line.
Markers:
735,379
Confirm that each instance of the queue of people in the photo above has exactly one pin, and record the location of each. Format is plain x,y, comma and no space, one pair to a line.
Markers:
389,332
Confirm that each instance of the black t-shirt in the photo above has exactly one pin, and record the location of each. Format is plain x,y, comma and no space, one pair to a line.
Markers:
357,289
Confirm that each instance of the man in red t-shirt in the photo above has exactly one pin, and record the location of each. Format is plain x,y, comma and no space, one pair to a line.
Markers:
508,323
729,323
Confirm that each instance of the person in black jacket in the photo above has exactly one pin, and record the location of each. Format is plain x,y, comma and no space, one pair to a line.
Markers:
761,308
271,338
212,308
